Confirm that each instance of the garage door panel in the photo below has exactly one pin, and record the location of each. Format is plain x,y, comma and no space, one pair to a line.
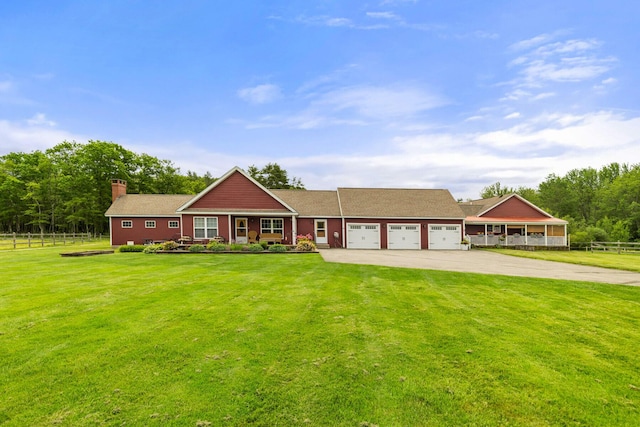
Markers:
403,236
445,236
363,236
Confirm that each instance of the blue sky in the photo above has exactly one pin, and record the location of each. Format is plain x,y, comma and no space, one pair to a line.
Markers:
386,93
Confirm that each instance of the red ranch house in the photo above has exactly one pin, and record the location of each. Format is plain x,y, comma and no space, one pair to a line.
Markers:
237,208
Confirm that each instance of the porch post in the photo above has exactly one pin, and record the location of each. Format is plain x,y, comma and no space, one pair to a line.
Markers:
294,230
486,239
230,230
546,235
526,236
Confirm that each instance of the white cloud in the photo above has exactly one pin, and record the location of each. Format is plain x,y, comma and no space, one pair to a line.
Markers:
380,102
383,15
542,61
465,162
512,116
353,106
5,86
37,133
40,119
261,94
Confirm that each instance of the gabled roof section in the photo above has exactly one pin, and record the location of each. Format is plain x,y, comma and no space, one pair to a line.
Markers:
316,203
236,191
398,203
147,204
504,207
475,207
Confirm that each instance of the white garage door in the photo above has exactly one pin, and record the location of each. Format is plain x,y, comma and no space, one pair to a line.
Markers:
444,236
403,236
363,236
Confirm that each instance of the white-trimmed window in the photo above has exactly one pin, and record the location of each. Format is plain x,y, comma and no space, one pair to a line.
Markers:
205,227
174,224
127,223
149,224
272,225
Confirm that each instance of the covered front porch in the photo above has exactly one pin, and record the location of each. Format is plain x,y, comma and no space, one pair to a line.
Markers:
517,234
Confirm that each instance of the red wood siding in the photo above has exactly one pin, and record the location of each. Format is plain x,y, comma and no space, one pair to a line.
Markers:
237,192
138,233
334,225
514,208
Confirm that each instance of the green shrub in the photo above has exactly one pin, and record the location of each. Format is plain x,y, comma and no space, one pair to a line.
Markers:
306,246
169,245
131,248
216,247
256,247
236,247
264,245
152,249
277,248
196,248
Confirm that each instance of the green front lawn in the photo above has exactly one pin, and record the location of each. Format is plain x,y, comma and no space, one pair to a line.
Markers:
287,339
624,261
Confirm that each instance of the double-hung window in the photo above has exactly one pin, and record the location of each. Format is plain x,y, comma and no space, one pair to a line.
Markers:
205,227
272,225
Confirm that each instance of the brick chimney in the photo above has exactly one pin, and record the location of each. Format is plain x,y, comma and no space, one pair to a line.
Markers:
118,188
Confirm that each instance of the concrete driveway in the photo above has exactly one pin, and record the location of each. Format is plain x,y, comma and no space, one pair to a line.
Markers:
481,262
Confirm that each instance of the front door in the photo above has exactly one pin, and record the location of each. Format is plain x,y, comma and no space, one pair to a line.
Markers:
321,231
241,230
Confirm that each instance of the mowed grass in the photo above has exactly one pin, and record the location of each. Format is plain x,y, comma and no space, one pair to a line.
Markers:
200,339
623,261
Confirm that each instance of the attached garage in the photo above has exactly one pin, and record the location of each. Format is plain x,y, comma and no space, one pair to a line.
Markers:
363,236
444,236
403,236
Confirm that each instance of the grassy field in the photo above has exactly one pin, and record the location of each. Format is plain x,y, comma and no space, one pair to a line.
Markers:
197,340
628,261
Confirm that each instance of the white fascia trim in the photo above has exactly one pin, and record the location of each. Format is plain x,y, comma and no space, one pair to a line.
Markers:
143,216
405,218
559,222
319,216
242,213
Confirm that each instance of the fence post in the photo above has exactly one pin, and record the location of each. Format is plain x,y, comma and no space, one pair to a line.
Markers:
53,237
29,239
618,247
42,239
14,240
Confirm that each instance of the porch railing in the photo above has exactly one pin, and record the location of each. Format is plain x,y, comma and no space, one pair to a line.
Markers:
497,240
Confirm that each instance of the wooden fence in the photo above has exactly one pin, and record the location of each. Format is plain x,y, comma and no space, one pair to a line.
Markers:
29,240
618,247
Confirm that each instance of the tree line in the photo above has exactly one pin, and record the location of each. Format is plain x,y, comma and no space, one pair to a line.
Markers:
600,204
67,188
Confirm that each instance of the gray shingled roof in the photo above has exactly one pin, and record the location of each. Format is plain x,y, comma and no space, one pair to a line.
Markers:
147,204
355,202
398,203
474,207
311,202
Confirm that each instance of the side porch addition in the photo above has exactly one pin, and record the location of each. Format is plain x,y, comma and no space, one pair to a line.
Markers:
524,234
